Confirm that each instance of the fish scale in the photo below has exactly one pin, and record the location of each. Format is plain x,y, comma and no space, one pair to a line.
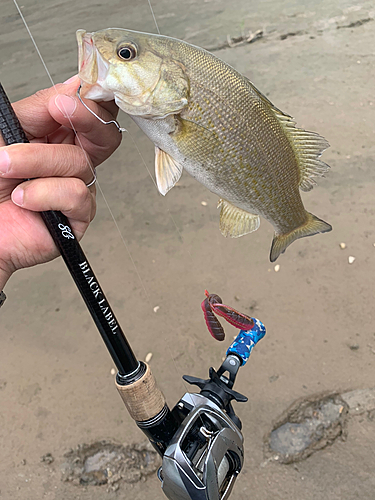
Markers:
248,198
205,117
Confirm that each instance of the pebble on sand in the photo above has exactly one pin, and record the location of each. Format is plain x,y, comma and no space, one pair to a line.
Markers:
113,371
148,357
354,347
204,203
277,268
343,245
351,259
156,309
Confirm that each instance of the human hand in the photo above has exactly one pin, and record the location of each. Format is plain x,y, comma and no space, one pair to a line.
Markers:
59,169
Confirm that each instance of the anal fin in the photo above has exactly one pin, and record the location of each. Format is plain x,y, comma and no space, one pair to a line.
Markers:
167,171
235,222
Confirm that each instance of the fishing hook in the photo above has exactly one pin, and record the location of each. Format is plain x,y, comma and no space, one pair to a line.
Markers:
120,129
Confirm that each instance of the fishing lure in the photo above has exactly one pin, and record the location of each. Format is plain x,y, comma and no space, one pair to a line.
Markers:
212,305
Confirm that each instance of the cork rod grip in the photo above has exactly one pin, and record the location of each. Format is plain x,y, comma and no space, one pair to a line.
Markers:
143,399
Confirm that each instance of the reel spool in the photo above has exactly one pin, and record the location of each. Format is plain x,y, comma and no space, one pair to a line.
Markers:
205,456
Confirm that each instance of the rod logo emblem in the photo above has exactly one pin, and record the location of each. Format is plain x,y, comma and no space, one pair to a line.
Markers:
66,231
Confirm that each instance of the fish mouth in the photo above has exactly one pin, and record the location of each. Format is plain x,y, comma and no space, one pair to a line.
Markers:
92,69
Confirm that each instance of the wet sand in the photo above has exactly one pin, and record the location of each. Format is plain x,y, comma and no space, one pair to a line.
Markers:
315,61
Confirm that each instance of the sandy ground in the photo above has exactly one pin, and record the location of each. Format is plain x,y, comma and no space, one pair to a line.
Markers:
315,62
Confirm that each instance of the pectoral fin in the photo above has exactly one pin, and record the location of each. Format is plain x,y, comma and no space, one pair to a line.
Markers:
235,222
167,171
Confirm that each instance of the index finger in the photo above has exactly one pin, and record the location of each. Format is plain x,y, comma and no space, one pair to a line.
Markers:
98,140
34,112
41,115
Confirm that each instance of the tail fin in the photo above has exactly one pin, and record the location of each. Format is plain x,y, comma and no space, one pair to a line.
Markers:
312,226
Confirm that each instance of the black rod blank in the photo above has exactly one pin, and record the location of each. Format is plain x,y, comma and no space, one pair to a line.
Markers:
75,259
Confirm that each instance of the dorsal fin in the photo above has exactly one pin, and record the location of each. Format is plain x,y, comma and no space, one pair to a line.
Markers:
308,146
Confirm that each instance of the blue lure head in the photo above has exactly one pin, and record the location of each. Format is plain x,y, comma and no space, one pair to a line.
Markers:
246,340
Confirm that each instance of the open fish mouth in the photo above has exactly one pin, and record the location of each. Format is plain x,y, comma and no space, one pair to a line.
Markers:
92,69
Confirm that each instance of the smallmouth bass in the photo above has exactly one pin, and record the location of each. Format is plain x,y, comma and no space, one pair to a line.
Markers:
204,116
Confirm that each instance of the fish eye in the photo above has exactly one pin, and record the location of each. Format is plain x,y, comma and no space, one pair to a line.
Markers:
127,53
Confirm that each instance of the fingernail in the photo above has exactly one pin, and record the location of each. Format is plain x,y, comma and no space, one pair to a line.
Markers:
4,162
17,196
66,104
70,80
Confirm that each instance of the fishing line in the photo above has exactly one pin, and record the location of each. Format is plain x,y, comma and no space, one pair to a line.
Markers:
80,143
35,45
81,146
120,129
153,15
86,156
98,184
178,368
143,160
166,340
153,180
168,210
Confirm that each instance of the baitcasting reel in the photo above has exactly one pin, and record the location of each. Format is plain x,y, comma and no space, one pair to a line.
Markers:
206,454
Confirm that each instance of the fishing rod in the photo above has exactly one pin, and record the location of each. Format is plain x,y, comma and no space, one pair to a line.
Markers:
200,439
